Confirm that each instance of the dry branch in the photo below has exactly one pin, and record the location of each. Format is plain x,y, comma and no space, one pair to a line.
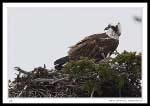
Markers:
22,71
40,82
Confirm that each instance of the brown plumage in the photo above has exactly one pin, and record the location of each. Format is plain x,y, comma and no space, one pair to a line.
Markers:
92,46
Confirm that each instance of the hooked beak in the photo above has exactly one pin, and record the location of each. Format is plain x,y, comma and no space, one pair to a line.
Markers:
106,28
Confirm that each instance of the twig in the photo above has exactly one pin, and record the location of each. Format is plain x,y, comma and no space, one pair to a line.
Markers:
20,70
92,92
51,81
22,90
60,80
42,80
52,73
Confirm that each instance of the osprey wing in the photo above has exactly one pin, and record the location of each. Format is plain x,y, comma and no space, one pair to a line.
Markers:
88,47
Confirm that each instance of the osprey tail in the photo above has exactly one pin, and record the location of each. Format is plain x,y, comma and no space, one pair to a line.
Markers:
59,62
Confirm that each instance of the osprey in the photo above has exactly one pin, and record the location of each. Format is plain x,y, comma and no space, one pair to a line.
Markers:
97,46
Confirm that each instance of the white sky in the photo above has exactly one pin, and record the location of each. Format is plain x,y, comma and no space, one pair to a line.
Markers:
40,35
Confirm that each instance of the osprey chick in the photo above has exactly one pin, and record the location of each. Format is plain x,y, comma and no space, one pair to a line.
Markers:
97,46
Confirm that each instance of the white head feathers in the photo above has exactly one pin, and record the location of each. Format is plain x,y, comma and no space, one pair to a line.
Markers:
113,31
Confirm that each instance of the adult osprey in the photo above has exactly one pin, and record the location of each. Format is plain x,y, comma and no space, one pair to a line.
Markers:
97,46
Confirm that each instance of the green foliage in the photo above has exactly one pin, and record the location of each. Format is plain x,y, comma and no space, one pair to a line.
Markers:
84,67
88,86
114,77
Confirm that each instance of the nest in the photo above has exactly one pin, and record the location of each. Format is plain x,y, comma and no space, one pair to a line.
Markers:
42,82
112,77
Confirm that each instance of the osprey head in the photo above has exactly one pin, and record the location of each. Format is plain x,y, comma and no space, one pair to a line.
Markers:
113,29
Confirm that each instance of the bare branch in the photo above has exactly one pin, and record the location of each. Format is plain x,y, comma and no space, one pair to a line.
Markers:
20,70
51,81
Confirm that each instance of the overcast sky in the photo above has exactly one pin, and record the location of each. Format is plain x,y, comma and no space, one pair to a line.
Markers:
40,35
